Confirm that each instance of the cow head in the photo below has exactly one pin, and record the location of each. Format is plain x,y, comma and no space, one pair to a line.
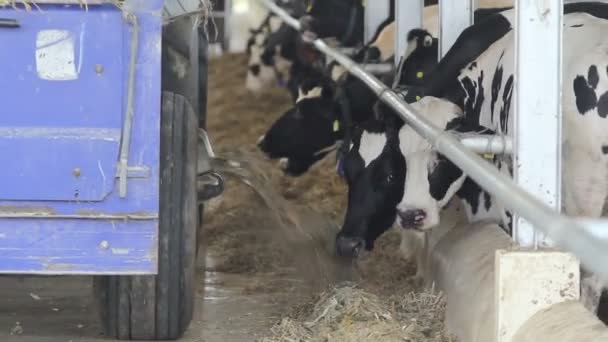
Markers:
433,180
377,168
375,171
420,58
307,132
271,57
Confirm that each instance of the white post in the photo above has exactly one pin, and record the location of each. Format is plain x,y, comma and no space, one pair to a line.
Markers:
538,117
408,16
376,11
455,16
528,282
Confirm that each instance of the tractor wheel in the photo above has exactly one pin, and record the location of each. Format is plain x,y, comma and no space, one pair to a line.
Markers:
160,307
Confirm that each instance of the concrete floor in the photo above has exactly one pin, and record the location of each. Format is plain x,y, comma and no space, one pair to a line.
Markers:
61,309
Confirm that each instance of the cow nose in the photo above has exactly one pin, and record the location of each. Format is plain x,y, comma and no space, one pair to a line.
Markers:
412,218
349,246
255,69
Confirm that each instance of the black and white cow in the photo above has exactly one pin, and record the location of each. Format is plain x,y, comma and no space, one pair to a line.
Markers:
354,100
430,180
289,137
298,135
259,74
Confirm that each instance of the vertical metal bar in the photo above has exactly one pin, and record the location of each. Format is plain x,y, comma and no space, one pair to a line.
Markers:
376,11
455,16
408,15
125,142
227,23
538,115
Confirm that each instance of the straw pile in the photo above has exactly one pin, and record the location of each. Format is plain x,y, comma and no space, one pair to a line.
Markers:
348,313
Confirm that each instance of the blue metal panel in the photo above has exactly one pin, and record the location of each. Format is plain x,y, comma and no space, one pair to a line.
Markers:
64,141
64,72
77,246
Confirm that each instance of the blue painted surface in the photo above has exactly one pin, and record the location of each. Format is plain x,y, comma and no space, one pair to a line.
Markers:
78,246
60,143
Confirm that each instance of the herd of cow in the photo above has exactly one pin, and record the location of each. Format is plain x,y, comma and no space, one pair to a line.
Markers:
394,176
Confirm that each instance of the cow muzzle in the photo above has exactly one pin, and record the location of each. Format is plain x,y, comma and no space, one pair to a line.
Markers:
347,246
412,219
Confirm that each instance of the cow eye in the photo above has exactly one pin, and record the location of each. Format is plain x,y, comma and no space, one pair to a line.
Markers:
389,178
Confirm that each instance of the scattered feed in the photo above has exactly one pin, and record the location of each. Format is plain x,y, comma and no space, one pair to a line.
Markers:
384,302
348,313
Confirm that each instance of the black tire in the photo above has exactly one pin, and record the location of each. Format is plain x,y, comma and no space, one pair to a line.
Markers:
160,307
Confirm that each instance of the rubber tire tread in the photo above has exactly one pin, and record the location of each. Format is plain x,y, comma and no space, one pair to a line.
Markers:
160,307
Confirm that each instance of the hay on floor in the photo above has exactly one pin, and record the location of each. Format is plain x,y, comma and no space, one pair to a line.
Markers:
348,313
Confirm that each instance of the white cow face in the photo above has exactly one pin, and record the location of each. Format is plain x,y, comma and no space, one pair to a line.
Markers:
431,180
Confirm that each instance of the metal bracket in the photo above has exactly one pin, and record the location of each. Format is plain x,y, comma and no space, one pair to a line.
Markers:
135,172
378,68
209,184
130,112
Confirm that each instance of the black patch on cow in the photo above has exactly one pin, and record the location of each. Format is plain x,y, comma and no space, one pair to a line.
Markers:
593,77
473,66
577,25
487,199
594,8
475,96
605,149
507,95
470,193
586,99
471,43
584,91
443,176
496,84
509,228
372,55
255,69
602,105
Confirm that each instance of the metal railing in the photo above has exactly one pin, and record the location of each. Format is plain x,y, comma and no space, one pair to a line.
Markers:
586,238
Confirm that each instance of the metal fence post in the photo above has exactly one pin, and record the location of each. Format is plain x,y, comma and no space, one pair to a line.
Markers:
408,15
538,117
455,16
376,11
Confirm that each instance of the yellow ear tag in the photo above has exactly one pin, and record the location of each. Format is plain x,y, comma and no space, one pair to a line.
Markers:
419,74
488,156
309,8
417,98
336,126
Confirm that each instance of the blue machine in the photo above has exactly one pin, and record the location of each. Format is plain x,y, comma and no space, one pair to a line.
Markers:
88,130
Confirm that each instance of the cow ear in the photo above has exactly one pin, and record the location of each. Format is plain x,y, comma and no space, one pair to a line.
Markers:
252,31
